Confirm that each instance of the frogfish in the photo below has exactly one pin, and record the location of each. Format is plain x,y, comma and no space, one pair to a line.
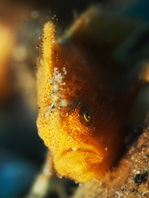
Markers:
87,80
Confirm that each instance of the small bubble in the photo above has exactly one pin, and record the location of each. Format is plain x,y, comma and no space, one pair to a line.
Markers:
76,181
37,46
59,176
34,14
53,41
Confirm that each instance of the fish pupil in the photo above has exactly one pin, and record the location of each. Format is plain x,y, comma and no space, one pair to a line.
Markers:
86,117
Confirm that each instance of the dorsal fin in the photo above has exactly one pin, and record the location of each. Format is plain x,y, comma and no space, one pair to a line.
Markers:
44,65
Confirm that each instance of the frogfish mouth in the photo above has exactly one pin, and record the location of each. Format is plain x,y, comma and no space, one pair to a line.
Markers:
87,80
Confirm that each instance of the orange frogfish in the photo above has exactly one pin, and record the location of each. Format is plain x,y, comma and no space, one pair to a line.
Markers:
87,80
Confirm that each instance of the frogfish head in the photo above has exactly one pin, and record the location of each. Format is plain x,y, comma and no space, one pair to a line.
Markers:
80,118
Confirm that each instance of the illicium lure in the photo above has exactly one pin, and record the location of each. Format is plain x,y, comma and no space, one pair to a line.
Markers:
86,82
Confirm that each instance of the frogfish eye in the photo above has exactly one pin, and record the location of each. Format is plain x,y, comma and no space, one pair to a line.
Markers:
87,117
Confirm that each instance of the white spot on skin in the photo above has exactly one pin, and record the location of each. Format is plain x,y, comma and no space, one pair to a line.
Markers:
53,41
74,149
57,98
58,78
66,115
41,61
64,70
54,98
48,111
55,88
64,103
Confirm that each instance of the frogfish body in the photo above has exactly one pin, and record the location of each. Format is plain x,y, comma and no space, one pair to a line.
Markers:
86,84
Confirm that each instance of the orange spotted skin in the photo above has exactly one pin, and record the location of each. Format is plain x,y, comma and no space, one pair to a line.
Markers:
81,118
